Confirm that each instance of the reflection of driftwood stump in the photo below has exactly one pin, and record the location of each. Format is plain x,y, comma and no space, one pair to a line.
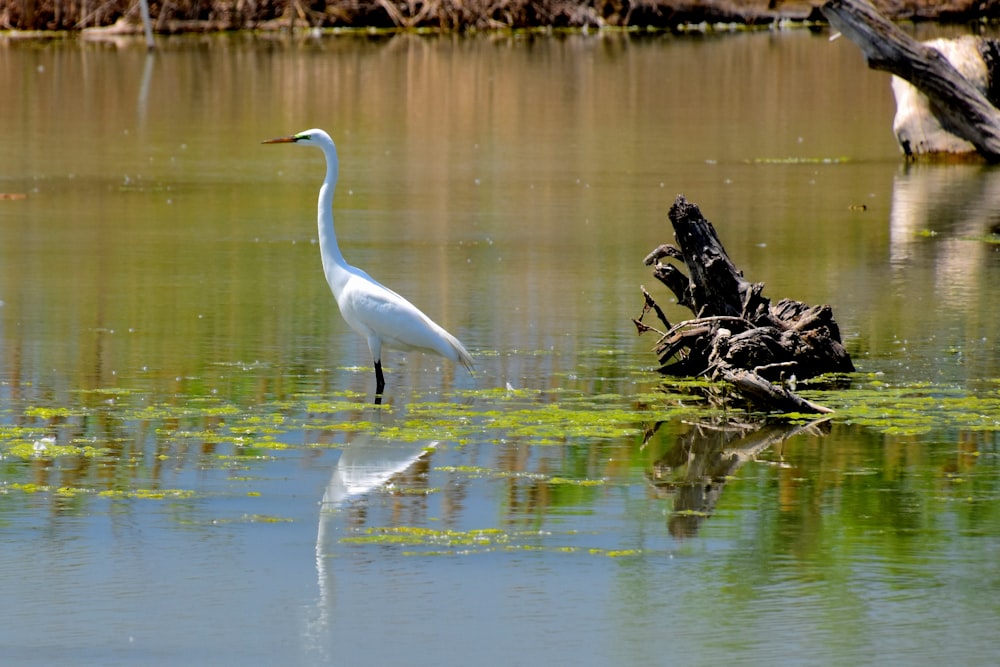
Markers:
736,334
696,468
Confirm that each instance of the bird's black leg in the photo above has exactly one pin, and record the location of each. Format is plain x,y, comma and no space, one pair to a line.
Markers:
379,381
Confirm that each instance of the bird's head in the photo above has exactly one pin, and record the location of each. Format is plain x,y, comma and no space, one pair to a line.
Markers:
314,137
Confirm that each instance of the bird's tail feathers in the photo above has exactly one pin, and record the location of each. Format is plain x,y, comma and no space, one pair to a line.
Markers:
463,355
465,358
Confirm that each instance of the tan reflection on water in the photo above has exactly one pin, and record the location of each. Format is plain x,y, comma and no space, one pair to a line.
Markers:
509,186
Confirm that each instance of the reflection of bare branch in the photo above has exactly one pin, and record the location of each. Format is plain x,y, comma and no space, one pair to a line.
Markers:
749,452
695,470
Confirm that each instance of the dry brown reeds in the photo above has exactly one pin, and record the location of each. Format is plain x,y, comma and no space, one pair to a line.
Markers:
79,14
200,15
452,15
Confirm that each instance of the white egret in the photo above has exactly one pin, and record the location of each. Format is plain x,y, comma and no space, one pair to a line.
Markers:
374,311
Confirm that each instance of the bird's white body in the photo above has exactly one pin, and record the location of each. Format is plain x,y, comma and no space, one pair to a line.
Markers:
380,315
384,318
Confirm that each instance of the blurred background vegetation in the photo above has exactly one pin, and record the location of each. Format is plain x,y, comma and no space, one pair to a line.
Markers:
173,16
212,15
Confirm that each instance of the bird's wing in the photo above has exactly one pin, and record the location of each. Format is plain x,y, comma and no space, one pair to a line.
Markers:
372,309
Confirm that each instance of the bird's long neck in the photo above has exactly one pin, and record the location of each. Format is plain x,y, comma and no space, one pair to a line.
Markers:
334,265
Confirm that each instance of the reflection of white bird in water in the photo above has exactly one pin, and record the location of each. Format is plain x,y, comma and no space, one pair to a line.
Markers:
368,463
371,309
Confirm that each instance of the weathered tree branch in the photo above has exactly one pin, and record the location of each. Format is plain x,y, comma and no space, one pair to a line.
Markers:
956,102
754,386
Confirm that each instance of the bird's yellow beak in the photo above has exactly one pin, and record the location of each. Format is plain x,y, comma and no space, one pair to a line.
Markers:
281,140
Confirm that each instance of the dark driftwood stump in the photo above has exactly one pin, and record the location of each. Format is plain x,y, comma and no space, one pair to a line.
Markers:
736,334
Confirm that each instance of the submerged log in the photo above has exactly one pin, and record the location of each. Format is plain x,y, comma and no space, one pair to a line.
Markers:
945,95
736,334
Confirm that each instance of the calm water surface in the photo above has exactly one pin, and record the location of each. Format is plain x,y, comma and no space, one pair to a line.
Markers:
190,467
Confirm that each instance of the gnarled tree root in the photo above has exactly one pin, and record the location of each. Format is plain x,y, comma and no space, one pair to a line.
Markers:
737,335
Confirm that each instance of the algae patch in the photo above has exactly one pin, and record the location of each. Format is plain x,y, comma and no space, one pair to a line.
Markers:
913,409
422,541
73,491
411,536
481,472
